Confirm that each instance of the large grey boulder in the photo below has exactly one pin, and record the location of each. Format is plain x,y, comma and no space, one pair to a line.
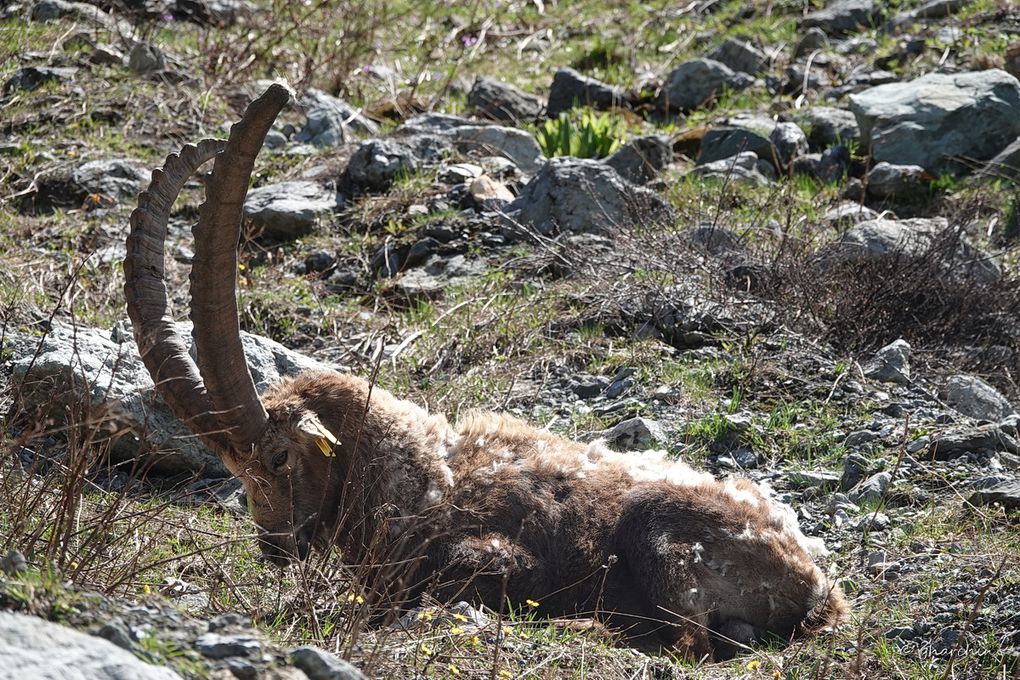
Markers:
289,209
885,238
973,397
570,88
695,82
491,98
318,664
942,122
1006,164
585,196
327,119
844,16
891,363
34,649
103,369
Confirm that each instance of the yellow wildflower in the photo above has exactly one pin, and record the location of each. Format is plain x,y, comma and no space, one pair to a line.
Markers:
459,617
531,603
426,650
752,665
351,597
456,630
454,670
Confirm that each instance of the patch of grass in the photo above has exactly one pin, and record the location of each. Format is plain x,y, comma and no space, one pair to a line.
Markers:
581,134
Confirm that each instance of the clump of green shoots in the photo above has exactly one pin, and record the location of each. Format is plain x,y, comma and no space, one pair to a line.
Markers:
584,135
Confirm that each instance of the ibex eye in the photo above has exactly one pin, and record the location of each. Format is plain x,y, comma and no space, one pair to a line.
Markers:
279,459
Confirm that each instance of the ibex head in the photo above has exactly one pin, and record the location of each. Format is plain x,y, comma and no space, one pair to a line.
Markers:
282,452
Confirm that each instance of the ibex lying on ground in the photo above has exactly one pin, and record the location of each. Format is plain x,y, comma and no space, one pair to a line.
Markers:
491,509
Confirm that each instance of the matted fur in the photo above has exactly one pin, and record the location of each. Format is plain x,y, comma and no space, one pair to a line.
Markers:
491,509
494,508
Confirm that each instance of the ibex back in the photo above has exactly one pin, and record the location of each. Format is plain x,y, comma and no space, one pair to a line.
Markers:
491,509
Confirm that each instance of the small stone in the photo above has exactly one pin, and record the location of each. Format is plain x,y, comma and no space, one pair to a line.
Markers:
117,632
378,163
813,39
319,664
570,88
872,489
217,646
491,98
1005,493
891,363
490,194
145,58
900,633
634,434
811,479
13,563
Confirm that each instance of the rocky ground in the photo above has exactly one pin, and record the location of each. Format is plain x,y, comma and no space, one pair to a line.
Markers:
775,239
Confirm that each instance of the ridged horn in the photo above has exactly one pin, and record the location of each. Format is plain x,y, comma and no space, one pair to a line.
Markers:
214,311
163,351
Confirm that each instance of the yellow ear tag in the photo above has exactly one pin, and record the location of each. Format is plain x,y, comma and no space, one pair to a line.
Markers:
325,441
324,446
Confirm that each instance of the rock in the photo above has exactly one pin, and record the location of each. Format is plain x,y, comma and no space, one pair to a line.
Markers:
458,173
29,78
844,16
713,239
1005,165
726,142
973,397
813,39
490,194
145,58
913,238
811,479
588,387
491,98
871,490
86,362
640,160
377,163
34,649
830,126
117,632
854,468
789,142
327,119
1006,494
48,10
983,439
634,434
217,646
740,55
319,664
695,82
516,145
935,119
585,196
13,563
289,209
436,274
890,364
743,168
935,9
570,88
848,213
118,178
891,182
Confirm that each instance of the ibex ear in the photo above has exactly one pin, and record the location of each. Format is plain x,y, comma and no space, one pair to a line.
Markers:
310,426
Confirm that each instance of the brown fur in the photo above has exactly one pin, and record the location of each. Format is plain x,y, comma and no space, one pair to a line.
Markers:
496,509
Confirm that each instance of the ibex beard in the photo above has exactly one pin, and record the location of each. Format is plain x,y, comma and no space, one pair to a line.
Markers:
491,509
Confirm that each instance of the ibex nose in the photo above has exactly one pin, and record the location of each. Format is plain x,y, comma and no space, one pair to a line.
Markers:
274,552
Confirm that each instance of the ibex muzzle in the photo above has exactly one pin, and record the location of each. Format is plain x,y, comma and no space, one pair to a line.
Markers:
490,508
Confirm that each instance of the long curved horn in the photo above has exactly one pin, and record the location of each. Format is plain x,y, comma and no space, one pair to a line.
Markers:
163,351
214,275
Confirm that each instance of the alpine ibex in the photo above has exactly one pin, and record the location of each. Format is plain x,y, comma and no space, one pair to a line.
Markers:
491,508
